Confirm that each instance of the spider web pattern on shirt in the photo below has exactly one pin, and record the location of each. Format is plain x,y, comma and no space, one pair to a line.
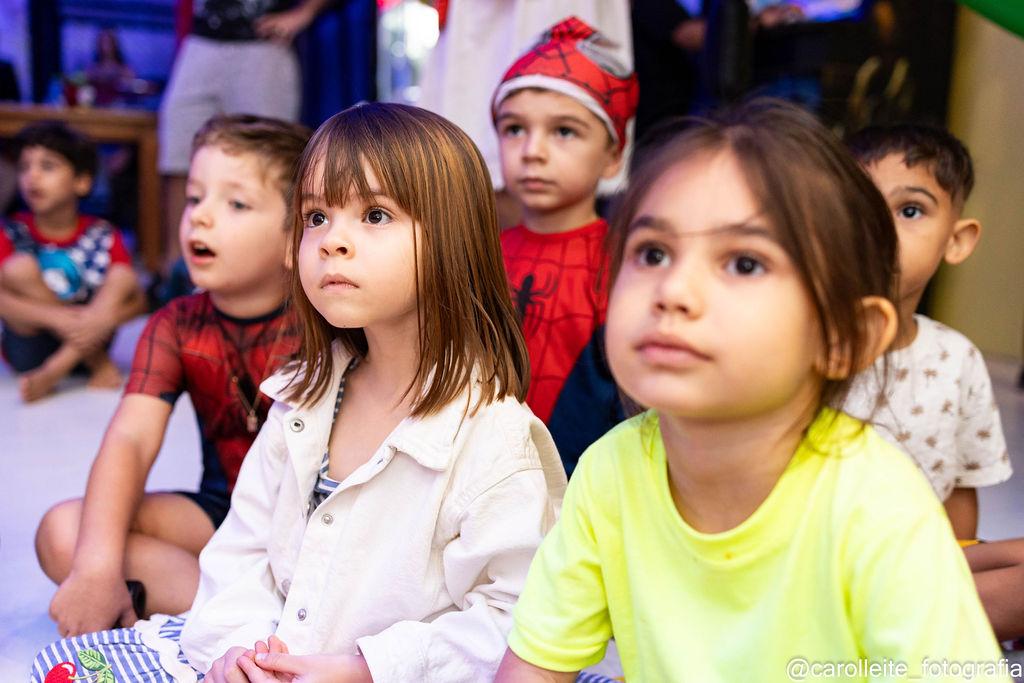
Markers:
553,279
183,349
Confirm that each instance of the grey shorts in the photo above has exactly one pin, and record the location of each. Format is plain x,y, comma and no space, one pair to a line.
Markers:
213,77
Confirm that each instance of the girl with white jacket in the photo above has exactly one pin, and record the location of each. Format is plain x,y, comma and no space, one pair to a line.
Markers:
386,516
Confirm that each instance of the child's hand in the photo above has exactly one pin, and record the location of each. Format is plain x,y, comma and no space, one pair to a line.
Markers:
64,321
275,667
92,329
227,670
88,603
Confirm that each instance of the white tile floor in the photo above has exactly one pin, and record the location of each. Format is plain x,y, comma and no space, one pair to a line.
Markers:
46,449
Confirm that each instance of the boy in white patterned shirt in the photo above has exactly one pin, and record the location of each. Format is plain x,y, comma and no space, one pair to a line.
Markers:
938,405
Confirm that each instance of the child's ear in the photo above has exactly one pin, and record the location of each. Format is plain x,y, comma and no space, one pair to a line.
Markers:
880,321
82,184
966,233
614,164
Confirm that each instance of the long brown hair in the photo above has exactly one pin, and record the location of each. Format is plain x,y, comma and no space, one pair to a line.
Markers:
468,329
831,219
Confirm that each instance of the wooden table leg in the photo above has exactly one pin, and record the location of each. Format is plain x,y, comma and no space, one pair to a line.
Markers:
150,239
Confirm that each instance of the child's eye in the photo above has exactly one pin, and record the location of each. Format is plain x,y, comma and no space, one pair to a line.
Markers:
910,212
237,205
565,132
314,219
191,199
651,256
512,130
745,264
377,216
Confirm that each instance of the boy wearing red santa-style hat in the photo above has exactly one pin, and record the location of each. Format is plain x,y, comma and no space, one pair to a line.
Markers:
562,113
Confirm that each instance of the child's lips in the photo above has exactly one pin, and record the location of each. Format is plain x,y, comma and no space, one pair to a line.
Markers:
200,252
669,351
532,184
336,283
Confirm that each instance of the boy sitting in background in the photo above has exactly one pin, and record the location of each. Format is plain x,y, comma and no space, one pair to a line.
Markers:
939,406
66,279
561,113
217,346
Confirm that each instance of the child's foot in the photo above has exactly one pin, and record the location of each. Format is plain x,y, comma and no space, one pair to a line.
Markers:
38,383
105,375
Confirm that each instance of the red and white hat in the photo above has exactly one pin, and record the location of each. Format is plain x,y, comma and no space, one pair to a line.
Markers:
575,60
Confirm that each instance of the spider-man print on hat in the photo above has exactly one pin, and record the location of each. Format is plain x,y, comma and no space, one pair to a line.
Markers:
575,60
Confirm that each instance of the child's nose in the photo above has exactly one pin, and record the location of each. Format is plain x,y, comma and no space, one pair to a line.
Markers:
199,215
681,290
534,146
336,242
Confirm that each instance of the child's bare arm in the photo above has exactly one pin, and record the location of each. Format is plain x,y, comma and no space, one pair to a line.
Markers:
27,314
515,670
962,510
94,596
118,299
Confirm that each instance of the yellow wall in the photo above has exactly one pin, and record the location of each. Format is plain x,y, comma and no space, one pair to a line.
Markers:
984,297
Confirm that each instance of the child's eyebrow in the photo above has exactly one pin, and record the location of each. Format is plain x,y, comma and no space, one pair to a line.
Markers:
914,189
662,225
569,118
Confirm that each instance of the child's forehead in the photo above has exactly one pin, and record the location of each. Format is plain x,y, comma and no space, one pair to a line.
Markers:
892,173
244,166
545,103
43,152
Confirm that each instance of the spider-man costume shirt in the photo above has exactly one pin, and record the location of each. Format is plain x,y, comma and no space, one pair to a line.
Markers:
190,346
554,281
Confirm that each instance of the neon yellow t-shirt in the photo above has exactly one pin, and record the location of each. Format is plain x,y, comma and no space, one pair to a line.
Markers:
849,559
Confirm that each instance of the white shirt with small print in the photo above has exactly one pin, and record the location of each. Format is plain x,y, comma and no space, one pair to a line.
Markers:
938,407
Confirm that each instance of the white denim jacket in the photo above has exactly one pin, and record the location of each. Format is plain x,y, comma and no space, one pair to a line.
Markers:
417,558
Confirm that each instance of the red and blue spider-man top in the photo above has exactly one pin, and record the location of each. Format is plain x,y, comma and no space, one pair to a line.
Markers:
190,346
555,286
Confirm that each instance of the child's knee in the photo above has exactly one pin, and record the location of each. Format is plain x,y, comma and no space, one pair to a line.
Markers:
56,538
18,269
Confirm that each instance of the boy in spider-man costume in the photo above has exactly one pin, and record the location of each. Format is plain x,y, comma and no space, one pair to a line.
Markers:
216,346
561,114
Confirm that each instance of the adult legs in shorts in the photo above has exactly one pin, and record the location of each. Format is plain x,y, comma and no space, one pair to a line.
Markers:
212,77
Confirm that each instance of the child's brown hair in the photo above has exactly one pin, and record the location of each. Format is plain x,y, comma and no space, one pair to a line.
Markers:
830,217
278,143
61,139
945,157
468,329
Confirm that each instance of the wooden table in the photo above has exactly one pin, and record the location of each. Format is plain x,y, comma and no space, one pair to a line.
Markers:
131,126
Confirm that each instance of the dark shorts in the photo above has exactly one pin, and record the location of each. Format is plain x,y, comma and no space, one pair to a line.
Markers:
215,505
27,352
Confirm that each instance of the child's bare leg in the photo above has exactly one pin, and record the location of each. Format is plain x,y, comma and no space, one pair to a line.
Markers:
21,277
998,569
103,374
37,383
162,550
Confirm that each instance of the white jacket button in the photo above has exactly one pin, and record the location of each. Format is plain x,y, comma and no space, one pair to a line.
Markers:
327,519
301,614
297,425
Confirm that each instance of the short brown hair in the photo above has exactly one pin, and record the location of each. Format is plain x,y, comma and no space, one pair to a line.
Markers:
434,172
945,157
278,143
830,218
